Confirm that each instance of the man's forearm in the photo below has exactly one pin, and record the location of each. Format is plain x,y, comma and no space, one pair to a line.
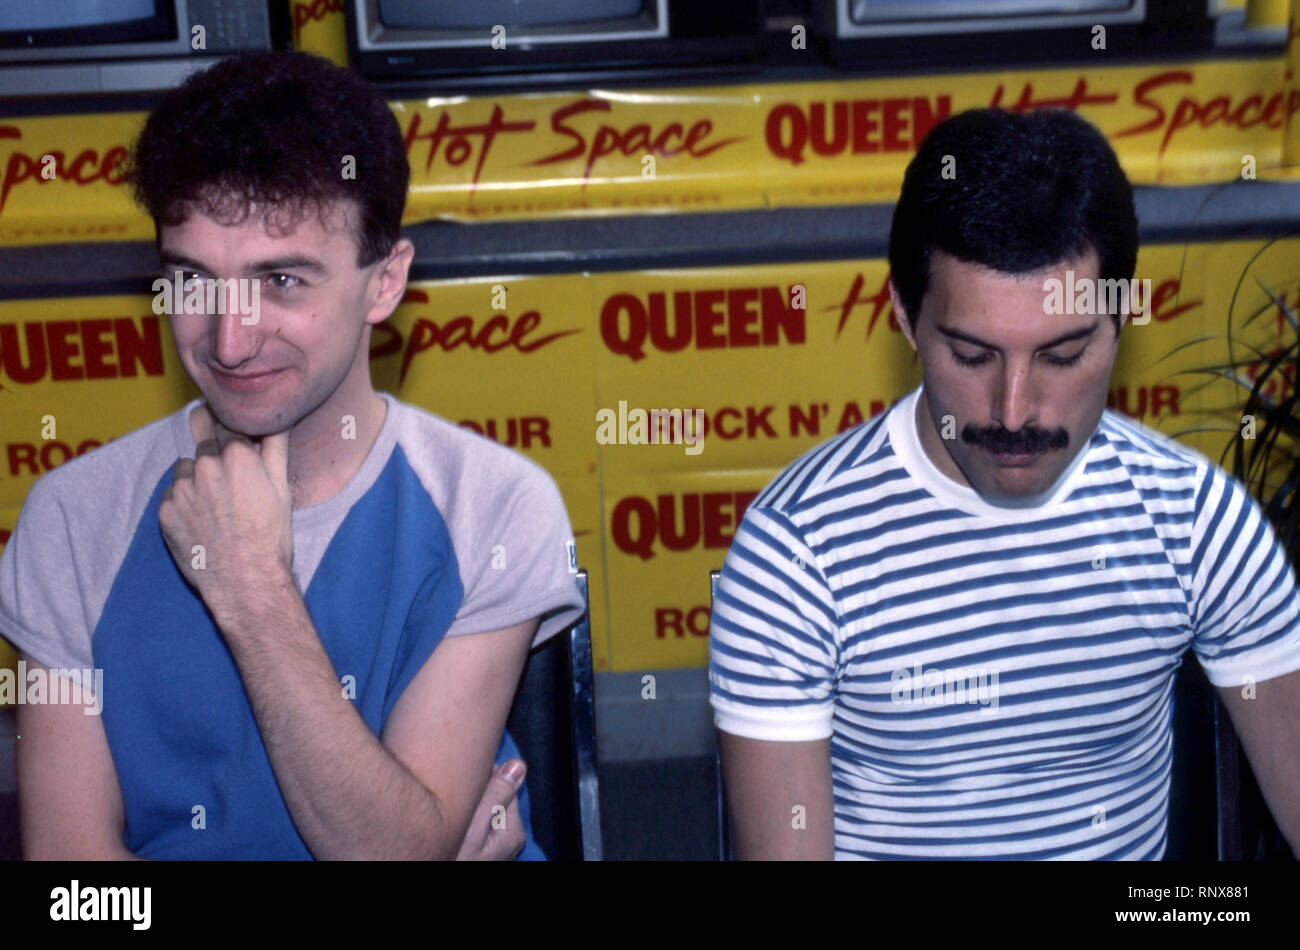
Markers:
349,796
1279,782
1267,721
780,798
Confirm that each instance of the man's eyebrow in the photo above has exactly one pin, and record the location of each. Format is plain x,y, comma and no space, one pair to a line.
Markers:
171,259
301,262
1078,334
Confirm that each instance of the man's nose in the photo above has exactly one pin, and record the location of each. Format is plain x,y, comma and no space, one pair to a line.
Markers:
1014,404
235,339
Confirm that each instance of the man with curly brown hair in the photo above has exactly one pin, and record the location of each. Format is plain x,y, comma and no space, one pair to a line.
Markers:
310,603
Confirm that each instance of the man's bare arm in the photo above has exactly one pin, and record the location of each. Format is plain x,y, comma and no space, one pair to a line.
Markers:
69,799
352,796
1269,728
779,798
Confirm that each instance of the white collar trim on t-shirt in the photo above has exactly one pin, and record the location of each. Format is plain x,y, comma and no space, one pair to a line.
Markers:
906,442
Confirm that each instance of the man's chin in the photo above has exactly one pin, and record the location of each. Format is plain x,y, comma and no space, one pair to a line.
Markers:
245,421
1014,483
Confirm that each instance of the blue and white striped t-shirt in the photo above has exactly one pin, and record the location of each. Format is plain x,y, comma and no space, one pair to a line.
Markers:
995,681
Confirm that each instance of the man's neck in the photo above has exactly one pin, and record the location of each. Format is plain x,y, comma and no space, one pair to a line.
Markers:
322,458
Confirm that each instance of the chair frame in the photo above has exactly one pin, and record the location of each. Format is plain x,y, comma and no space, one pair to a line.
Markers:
583,697
724,821
559,726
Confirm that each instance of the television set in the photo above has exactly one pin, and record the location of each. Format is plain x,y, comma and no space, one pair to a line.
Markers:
72,47
429,44
966,32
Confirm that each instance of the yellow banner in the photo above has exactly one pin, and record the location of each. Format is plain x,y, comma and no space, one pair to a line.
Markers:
318,28
603,380
728,147
772,380
1291,74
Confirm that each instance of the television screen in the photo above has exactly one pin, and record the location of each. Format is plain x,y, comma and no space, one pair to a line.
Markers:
484,14
867,11
74,47
495,44
17,15
945,33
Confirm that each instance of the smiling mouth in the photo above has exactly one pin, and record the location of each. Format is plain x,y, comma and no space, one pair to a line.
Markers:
244,381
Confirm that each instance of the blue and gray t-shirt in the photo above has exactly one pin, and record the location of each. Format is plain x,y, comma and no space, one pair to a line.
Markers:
409,552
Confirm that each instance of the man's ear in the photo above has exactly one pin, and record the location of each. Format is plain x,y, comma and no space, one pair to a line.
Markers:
904,324
389,281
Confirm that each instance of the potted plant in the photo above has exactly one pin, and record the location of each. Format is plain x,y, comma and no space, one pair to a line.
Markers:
1263,452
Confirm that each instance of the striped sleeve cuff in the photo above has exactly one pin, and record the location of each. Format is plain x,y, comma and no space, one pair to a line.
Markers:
1262,663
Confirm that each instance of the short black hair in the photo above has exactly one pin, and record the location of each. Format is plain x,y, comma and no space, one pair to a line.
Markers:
1027,190
276,129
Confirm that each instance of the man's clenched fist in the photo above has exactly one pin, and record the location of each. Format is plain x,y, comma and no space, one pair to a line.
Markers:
226,517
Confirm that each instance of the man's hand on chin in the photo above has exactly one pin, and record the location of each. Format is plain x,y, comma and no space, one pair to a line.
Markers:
226,517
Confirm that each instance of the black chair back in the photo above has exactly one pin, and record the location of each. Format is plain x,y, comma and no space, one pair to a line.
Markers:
724,823
553,722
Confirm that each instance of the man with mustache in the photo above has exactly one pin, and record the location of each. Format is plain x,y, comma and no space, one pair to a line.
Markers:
952,631
310,601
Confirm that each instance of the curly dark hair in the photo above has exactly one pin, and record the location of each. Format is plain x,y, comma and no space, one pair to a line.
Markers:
274,129
1030,190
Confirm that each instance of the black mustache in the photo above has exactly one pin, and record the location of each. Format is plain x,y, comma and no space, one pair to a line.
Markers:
1030,440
